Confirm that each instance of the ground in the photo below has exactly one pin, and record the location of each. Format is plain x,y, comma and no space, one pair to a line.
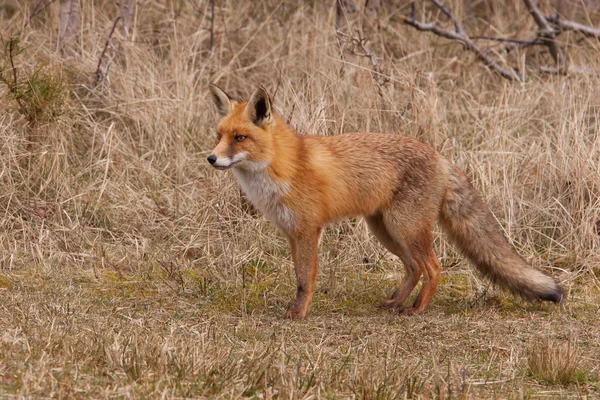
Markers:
103,334
131,268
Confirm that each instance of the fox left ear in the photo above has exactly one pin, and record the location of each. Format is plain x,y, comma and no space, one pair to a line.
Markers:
258,109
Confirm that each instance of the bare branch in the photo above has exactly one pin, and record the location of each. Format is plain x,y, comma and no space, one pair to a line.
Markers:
520,42
567,25
361,49
101,75
512,43
460,36
537,15
448,12
548,35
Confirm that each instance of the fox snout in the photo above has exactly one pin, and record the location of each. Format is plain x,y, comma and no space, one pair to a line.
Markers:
225,162
219,162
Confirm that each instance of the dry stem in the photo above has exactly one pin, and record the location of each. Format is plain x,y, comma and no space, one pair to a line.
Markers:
460,36
547,35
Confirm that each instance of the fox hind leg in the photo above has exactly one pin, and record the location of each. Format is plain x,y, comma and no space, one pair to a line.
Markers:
431,275
417,237
396,246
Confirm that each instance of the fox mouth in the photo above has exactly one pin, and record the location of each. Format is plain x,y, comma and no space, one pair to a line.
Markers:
226,167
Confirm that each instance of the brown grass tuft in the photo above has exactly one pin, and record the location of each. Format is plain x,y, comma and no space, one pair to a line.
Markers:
555,362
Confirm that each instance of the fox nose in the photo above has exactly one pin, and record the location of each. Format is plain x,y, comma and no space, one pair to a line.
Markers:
212,159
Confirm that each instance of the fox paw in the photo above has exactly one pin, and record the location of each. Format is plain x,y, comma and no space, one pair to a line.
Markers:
409,311
388,304
291,314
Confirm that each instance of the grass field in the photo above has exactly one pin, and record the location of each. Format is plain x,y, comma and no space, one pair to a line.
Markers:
130,268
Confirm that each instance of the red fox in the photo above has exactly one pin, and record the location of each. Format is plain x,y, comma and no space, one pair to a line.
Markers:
399,185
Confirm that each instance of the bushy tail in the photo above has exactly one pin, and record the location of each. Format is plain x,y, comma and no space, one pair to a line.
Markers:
472,227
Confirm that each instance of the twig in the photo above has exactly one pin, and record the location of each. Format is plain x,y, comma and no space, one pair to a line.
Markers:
13,87
212,24
111,59
358,41
460,36
512,43
520,42
567,25
36,10
342,8
100,76
548,36
448,12
171,274
12,60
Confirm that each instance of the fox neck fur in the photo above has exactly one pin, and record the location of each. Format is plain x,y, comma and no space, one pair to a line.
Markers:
266,193
267,182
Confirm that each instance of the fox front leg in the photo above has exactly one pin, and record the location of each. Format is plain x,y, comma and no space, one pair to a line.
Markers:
304,254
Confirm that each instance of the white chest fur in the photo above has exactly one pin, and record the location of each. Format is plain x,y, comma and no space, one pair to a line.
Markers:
266,195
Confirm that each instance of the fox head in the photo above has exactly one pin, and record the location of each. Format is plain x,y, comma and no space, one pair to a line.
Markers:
243,138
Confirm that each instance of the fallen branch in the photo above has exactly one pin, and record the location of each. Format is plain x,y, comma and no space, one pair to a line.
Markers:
547,35
512,43
448,12
567,25
520,42
460,36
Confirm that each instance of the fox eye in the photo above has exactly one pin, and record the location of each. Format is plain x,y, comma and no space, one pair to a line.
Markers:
240,138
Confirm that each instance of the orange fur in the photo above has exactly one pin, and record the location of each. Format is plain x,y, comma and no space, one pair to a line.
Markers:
400,185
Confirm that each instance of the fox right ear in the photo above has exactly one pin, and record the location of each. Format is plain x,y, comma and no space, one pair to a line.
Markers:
222,100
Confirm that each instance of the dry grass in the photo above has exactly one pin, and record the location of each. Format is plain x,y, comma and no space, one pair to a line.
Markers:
128,267
555,362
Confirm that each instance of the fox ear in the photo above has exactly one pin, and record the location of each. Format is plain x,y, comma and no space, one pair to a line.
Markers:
258,108
222,100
